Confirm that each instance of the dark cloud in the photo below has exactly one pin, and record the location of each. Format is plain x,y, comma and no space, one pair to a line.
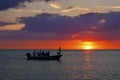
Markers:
6,4
54,23
55,27
57,24
4,23
48,23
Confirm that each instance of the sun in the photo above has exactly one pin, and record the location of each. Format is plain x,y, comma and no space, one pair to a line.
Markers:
87,47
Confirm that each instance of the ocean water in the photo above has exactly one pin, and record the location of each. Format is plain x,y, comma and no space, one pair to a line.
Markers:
74,65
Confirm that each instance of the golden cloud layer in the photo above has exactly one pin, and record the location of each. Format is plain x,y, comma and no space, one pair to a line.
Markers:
12,27
54,6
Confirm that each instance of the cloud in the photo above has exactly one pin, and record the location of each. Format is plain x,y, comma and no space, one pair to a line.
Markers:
4,23
75,35
56,24
35,11
97,26
69,9
54,5
12,27
102,21
6,4
109,7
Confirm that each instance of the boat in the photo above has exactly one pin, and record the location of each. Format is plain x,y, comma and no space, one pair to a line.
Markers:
43,56
54,57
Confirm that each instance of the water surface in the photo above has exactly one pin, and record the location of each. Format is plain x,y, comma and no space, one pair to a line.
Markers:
74,65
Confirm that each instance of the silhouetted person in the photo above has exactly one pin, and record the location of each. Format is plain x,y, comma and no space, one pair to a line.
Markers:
43,53
34,53
48,53
59,51
38,54
40,51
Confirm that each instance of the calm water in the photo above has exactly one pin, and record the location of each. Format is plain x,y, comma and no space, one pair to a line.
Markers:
74,65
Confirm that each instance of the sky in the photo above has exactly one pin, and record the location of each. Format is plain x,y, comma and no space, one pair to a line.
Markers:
48,24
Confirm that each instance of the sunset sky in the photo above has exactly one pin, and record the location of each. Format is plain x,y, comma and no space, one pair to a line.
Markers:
71,24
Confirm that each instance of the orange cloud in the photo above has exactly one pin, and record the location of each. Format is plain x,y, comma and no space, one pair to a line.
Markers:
12,27
54,6
75,35
102,21
88,32
94,27
20,10
108,7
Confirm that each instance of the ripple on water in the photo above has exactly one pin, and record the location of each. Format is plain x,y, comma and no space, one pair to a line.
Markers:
75,65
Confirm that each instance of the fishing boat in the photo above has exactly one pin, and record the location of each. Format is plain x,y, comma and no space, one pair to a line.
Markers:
44,56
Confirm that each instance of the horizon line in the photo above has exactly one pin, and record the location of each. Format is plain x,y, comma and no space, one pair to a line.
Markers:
69,49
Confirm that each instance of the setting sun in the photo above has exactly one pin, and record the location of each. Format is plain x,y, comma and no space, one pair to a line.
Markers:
87,47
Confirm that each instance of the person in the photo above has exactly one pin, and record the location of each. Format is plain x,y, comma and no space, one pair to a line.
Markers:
34,53
39,53
43,53
48,53
58,53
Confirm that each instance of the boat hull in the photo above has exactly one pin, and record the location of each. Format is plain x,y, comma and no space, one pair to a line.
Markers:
54,57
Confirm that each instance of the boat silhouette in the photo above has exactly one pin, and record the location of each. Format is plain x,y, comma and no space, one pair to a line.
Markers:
44,56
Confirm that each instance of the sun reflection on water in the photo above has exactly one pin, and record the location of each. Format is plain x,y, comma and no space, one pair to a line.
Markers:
88,66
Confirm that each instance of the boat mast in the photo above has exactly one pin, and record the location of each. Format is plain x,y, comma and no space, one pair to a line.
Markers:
59,49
